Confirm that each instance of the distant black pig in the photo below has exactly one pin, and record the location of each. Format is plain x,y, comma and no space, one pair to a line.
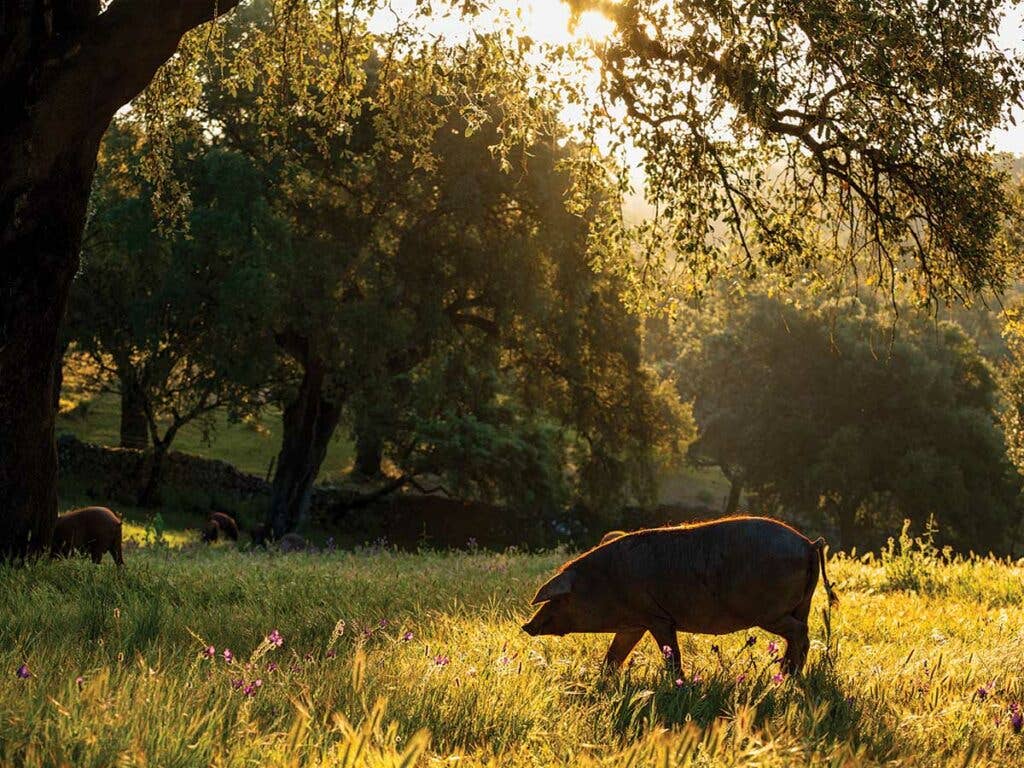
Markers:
711,578
220,524
92,530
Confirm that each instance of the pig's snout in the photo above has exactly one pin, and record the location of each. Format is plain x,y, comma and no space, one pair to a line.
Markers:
530,627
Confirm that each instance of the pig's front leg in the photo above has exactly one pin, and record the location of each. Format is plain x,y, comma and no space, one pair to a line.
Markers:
622,644
668,646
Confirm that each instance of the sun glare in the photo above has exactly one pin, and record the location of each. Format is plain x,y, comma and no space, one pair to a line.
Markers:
545,21
550,21
594,26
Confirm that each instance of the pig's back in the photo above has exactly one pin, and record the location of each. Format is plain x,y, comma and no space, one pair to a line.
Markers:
719,576
88,520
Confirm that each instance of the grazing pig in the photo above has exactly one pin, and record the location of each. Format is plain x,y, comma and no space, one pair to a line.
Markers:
218,524
611,536
93,530
712,578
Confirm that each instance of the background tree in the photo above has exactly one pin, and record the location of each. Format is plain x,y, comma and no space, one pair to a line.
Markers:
170,320
814,132
881,106
834,410
66,67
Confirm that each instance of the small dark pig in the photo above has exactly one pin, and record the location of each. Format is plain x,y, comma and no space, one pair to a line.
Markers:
711,578
211,532
92,530
218,524
611,536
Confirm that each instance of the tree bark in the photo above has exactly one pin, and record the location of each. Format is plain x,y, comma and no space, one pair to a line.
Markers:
134,426
39,237
846,516
369,454
732,503
149,496
309,423
65,69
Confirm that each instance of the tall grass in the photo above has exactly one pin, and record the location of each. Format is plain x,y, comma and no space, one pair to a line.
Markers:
418,659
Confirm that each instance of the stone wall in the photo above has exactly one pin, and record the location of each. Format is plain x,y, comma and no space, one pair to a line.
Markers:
120,473
406,520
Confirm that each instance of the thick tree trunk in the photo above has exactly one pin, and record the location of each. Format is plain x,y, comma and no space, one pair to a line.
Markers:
732,502
849,530
65,68
149,496
134,426
369,454
40,233
309,423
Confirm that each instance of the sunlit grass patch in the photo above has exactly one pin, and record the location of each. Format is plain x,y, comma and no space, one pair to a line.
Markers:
386,658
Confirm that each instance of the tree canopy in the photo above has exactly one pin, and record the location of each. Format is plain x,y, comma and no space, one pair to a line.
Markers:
831,410
817,130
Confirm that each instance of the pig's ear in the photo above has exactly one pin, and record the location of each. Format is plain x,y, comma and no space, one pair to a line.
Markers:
559,585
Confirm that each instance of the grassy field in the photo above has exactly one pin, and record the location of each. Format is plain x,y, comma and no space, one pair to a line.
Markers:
418,659
250,446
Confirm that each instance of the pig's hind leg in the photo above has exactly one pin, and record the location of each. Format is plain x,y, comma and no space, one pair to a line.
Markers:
794,632
622,644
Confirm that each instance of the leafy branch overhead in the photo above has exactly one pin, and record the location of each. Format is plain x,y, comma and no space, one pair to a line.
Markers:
759,119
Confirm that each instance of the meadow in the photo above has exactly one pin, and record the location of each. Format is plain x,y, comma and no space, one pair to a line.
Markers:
215,656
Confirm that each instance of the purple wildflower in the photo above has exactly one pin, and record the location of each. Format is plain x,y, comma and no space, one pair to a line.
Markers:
383,623
250,689
275,639
778,677
740,678
985,690
679,682
773,648
237,683
210,652
1016,721
79,681
505,659
666,651
308,657
23,672
228,655
331,653
407,636
441,661
271,667
698,677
